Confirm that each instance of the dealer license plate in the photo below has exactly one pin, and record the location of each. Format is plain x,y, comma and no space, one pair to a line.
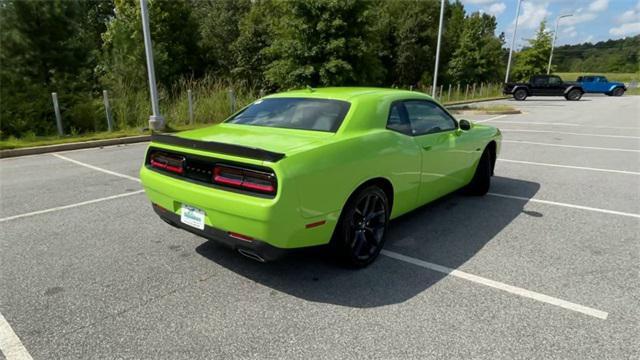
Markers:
192,216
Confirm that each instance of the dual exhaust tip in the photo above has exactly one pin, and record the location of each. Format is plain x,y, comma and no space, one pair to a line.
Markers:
251,255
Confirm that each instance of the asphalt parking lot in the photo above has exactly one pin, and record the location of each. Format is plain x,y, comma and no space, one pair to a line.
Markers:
546,266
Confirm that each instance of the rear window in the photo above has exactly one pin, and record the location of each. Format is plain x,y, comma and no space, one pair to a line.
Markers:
294,113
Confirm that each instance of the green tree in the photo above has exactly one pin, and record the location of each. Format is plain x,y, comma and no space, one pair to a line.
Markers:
533,59
322,43
478,57
174,36
48,47
219,25
255,35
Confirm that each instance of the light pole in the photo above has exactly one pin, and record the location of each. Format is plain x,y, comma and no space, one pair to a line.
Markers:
513,43
553,43
156,121
435,71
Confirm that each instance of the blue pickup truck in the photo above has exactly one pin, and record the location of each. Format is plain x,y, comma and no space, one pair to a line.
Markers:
600,84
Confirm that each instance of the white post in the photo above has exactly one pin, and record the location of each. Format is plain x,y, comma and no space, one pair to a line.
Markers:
156,121
190,106
435,71
107,110
553,43
232,101
56,109
513,43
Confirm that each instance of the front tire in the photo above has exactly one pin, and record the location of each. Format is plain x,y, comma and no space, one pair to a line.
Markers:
574,95
359,235
618,92
520,94
481,181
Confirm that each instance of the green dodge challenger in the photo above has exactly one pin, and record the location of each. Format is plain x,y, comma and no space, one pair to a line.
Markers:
314,167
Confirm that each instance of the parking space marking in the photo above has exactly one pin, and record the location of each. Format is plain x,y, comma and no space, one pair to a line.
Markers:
490,119
613,212
564,124
570,146
499,285
96,168
57,208
10,344
569,166
570,133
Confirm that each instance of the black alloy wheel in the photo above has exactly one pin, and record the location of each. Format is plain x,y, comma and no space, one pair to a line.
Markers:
520,94
360,233
574,95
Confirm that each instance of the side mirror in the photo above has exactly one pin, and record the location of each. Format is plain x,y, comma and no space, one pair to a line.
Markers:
465,125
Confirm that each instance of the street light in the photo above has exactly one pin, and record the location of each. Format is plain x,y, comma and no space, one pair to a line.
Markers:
156,121
513,43
435,72
553,43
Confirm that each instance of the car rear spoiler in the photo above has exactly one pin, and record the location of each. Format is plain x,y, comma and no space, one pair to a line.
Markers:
222,148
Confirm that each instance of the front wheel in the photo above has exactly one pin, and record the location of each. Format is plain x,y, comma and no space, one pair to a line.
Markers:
574,95
618,92
359,235
481,181
520,94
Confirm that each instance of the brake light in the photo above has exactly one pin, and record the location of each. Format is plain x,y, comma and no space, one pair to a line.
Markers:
248,179
171,163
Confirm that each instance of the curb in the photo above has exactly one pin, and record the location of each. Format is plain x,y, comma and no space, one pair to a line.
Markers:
72,146
465,102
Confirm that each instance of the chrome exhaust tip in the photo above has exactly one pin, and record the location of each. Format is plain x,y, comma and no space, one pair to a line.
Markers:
251,255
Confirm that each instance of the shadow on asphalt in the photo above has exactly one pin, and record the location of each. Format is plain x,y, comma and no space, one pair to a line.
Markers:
447,232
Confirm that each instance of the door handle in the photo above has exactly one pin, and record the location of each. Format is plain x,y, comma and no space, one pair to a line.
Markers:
426,147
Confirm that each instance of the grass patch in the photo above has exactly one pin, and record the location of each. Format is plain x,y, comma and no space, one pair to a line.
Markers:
488,109
15,143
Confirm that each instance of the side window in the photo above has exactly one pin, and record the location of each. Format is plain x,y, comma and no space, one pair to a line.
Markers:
397,121
539,81
427,117
554,80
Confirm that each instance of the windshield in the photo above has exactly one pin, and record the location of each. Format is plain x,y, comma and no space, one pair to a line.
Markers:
294,113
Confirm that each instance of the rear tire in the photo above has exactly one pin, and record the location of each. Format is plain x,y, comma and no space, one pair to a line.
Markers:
481,181
618,92
359,234
520,94
573,95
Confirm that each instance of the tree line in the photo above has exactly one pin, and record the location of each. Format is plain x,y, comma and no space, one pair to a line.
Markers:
77,48
618,56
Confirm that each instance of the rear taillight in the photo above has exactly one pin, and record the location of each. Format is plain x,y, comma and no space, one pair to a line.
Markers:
171,163
252,180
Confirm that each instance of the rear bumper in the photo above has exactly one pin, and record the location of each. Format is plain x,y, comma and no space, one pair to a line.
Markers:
273,221
261,250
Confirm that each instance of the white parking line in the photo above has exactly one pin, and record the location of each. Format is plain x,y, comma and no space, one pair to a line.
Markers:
564,124
70,206
621,213
570,146
490,119
500,286
96,168
570,166
10,344
570,133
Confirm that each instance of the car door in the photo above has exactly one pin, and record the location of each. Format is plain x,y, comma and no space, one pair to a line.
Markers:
435,132
555,86
602,84
539,85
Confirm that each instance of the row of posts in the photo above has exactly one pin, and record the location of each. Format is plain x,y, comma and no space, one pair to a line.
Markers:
469,91
232,102
109,115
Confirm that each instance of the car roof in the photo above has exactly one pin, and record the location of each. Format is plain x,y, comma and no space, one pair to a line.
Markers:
345,93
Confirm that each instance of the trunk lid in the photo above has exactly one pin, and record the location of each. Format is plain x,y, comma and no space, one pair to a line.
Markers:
277,140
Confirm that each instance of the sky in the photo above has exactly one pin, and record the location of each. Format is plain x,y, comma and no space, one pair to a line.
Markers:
591,20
